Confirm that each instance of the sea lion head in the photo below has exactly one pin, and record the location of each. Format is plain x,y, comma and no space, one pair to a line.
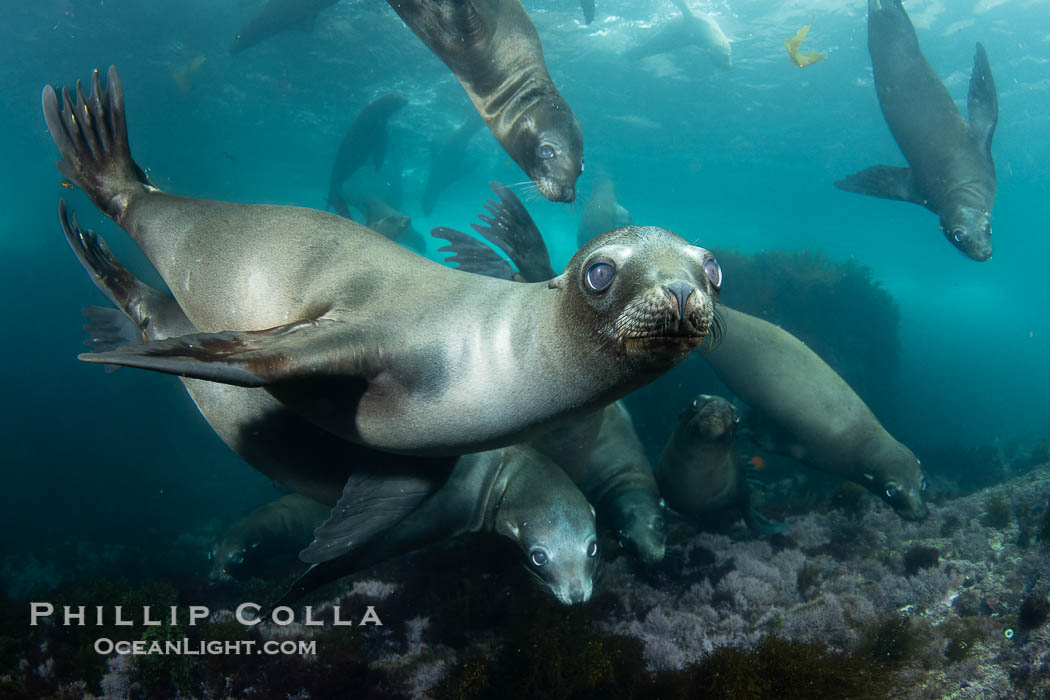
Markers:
969,228
547,143
894,474
227,556
648,294
710,419
642,529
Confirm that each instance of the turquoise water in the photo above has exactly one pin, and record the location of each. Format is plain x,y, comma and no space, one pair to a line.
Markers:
741,158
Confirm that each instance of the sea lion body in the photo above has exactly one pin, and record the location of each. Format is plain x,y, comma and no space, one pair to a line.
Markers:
373,342
494,51
692,28
450,163
951,169
619,483
820,419
383,218
279,16
365,139
276,530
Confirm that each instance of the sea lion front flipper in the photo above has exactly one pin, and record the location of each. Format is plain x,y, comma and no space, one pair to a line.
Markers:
886,181
298,350
471,255
515,233
982,101
370,504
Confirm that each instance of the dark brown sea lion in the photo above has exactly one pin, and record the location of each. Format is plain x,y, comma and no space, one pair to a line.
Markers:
951,170
493,49
279,16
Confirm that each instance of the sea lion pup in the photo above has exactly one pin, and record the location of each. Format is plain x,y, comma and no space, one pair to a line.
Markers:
951,169
383,218
279,16
366,138
449,163
385,505
820,420
274,531
700,474
619,483
601,211
691,29
371,341
494,51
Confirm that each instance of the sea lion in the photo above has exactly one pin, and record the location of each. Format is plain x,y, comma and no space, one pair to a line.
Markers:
274,531
449,163
279,16
619,483
951,169
820,420
386,504
494,51
366,138
691,29
588,10
601,212
383,218
371,341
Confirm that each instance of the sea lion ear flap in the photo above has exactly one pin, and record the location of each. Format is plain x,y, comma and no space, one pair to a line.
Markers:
508,529
982,101
556,282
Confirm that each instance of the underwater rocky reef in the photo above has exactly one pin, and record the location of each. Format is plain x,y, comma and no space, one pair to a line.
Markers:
851,602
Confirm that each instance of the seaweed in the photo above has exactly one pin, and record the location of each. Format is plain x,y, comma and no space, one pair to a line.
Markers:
894,640
998,512
919,557
1033,611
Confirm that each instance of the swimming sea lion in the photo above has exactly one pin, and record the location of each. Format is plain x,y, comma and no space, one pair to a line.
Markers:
691,29
371,341
494,51
276,530
449,163
385,505
588,10
601,212
279,16
619,483
366,138
951,170
821,420
383,218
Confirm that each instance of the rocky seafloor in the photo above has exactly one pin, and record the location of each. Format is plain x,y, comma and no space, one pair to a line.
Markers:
851,602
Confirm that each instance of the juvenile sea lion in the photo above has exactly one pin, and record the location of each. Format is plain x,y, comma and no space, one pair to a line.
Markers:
601,211
366,138
276,530
371,341
279,16
951,169
819,419
449,164
383,218
385,505
494,51
619,483
691,29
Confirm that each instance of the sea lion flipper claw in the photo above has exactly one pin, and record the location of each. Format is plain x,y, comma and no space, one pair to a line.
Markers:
298,350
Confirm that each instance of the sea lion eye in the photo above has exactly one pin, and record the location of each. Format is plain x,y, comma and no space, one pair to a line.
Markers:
538,557
696,403
891,491
957,234
546,151
237,557
600,275
592,550
922,486
714,272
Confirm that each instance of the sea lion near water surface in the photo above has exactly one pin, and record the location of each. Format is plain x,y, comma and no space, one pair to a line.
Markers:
494,51
951,171
366,138
279,16
691,29
385,505
371,341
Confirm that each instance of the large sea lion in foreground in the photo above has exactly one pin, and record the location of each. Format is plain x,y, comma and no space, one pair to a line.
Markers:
384,505
371,341
951,170
493,49
279,16
366,138
818,419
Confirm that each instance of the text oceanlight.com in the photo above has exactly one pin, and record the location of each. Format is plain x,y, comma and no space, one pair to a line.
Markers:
186,647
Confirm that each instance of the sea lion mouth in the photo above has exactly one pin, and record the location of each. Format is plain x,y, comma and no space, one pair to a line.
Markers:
555,191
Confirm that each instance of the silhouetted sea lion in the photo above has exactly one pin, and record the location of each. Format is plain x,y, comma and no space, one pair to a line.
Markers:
601,211
384,219
691,29
449,163
279,16
493,49
366,138
371,341
951,169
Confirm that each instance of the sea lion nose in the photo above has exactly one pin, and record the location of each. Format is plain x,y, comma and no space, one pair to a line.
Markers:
681,291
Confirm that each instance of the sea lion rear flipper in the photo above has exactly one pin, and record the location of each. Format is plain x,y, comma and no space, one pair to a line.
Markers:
471,255
983,101
515,233
588,10
886,181
370,504
298,350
